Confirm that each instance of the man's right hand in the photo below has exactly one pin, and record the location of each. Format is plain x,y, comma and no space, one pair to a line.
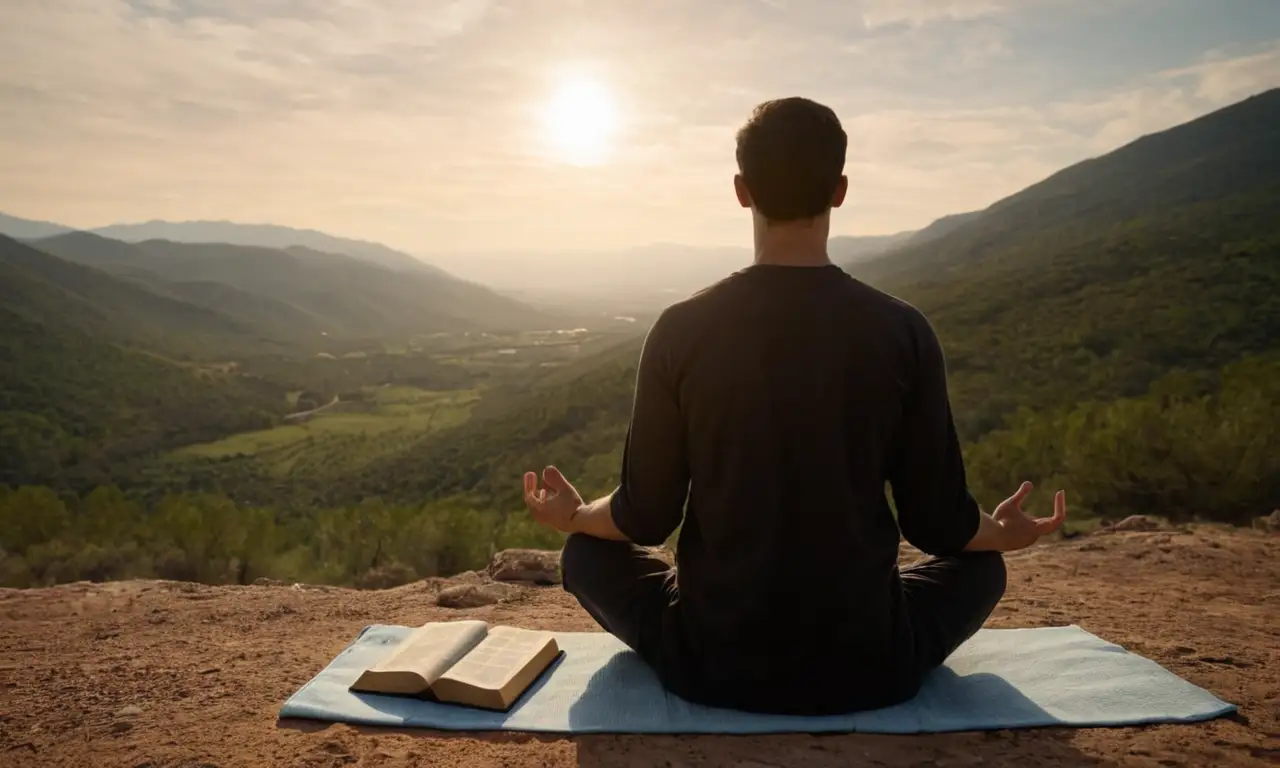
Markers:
1017,530
554,505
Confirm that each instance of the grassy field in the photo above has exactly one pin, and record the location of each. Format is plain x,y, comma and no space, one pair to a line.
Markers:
346,434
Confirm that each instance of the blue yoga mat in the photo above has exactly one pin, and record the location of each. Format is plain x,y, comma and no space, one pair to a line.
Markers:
1001,678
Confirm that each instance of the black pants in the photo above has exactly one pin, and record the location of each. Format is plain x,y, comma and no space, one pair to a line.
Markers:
630,593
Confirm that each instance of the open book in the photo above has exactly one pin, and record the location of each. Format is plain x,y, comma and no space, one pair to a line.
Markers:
463,662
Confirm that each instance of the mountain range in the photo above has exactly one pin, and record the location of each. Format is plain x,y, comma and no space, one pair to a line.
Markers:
65,295
297,293
629,280
115,351
230,233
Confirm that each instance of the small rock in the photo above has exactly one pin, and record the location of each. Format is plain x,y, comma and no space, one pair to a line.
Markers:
120,726
538,566
133,710
386,577
471,595
1137,523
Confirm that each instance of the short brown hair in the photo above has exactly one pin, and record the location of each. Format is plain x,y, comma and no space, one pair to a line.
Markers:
791,157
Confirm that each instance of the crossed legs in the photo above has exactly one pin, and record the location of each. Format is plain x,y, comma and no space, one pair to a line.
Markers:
633,596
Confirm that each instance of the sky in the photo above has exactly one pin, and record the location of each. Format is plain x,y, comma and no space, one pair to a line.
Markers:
514,126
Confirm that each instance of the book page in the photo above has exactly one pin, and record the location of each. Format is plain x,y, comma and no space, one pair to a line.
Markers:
433,648
499,657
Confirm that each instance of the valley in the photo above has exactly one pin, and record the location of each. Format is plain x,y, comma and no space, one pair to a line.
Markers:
381,417
1113,329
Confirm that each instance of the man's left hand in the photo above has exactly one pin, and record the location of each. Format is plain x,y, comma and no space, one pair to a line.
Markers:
555,505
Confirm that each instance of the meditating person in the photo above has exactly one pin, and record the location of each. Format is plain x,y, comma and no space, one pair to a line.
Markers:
770,411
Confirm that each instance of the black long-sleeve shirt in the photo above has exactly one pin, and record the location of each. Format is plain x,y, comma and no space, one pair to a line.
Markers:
771,409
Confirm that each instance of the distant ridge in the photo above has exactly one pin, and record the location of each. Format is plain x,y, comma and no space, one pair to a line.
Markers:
29,229
297,293
230,233
941,227
61,294
846,248
264,235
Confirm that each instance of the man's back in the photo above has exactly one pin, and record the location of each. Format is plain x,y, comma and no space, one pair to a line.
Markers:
770,411
790,387
791,381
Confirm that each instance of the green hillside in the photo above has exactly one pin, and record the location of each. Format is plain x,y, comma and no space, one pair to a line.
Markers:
298,293
1221,155
44,288
75,411
576,415
1193,288
1098,280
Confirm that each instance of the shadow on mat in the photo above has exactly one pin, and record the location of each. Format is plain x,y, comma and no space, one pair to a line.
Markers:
1026,746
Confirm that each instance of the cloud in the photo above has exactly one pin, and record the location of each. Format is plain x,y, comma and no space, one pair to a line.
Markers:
1166,98
915,13
416,123
1219,78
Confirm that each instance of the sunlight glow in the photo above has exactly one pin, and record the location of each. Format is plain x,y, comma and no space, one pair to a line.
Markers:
580,120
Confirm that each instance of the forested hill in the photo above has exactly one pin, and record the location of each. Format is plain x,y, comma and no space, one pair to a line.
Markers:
63,294
109,366
85,388
1159,256
301,293
1224,154
76,411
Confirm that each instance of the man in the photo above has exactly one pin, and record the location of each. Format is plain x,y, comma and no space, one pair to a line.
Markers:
770,411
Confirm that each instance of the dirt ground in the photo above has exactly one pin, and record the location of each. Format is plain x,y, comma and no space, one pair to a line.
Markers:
151,674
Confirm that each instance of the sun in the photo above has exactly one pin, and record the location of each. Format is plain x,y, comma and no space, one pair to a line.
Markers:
580,120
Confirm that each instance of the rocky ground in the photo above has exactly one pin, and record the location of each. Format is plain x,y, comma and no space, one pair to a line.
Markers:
171,674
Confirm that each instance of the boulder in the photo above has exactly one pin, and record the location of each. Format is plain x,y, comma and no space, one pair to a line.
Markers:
538,566
472,595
